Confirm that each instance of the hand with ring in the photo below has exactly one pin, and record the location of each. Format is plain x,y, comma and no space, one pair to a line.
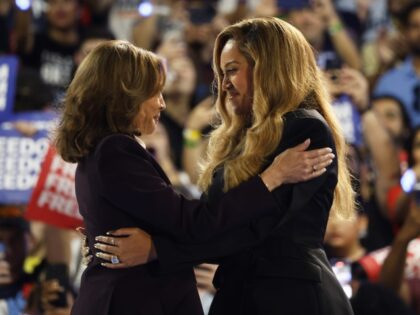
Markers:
126,247
298,164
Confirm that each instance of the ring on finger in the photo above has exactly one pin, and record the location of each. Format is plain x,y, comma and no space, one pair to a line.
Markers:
114,259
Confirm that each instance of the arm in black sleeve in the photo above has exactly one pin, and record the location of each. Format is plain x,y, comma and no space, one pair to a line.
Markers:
128,179
290,200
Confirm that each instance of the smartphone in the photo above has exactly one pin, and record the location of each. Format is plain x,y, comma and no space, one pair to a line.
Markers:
333,64
342,270
59,272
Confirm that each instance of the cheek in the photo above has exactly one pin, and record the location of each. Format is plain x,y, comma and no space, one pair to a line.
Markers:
140,119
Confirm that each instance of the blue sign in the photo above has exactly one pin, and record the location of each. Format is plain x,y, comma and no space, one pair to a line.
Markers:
349,119
21,155
8,74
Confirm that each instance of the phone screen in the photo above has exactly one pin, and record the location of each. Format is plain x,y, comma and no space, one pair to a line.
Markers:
342,271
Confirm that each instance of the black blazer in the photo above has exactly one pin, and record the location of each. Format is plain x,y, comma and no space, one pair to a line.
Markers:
275,265
121,185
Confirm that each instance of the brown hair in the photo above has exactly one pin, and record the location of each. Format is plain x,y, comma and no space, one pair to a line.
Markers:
285,76
105,96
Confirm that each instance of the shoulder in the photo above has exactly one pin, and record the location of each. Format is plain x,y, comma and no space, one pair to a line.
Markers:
302,124
118,144
304,119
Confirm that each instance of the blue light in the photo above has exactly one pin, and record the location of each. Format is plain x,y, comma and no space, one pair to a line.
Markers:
23,4
408,180
145,9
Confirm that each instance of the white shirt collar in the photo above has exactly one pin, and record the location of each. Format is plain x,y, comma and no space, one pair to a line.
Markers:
140,142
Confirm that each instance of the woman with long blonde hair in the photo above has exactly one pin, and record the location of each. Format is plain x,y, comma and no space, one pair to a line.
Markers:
270,97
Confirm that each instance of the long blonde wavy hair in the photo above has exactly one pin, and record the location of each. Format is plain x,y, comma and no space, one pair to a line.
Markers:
285,76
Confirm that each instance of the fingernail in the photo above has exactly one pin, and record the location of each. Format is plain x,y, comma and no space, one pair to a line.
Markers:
97,238
98,255
109,233
329,149
96,245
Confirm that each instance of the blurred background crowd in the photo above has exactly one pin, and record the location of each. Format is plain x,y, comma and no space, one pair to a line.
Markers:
369,51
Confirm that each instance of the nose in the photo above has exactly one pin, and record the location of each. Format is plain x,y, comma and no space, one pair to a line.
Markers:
162,103
226,84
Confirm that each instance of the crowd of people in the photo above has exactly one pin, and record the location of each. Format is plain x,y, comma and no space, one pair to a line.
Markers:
369,55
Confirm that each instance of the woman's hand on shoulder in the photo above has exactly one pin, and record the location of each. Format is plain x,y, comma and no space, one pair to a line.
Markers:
296,165
126,247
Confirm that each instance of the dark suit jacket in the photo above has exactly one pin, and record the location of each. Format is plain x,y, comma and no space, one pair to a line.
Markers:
121,185
275,265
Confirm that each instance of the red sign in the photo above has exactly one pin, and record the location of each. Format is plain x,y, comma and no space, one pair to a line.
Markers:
53,199
372,263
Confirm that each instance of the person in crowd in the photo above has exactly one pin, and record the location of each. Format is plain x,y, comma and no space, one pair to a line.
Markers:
14,248
179,89
15,24
396,266
195,136
324,29
372,154
402,196
91,38
394,118
402,82
200,32
52,49
342,237
270,97
395,122
375,299
386,281
157,144
383,43
393,274
113,100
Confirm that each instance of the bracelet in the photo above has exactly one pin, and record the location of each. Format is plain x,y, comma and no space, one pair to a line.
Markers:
192,137
335,28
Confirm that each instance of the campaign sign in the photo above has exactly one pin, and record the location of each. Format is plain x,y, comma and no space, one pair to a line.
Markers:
349,119
21,155
8,74
53,200
20,162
